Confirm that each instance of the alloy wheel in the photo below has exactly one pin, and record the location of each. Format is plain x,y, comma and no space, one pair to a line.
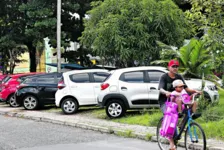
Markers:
30,102
69,106
12,101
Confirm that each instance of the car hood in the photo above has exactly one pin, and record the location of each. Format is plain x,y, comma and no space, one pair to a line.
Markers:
197,83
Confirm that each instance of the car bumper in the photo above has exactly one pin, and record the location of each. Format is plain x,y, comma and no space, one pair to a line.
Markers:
2,99
58,97
214,95
19,97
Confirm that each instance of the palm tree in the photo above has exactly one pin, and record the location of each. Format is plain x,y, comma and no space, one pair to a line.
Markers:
194,58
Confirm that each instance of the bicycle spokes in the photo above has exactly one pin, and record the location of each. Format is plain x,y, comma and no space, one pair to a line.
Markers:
195,137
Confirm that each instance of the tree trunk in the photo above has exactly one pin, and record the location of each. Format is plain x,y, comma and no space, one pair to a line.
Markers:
11,61
32,53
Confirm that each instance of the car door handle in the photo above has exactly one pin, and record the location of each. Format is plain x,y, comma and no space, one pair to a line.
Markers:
96,86
123,88
73,86
152,88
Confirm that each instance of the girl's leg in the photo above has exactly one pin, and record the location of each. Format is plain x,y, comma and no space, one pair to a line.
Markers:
179,103
194,107
172,145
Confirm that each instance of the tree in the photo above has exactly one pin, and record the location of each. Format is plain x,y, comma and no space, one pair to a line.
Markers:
40,22
10,42
208,19
127,29
195,60
29,22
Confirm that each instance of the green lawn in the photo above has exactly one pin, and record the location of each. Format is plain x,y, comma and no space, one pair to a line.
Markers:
212,120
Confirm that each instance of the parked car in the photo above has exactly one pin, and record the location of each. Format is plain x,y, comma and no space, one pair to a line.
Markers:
2,77
79,88
8,87
137,87
210,90
37,91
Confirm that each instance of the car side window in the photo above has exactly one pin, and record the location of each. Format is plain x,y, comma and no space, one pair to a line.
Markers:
154,76
29,80
49,80
100,76
80,78
133,77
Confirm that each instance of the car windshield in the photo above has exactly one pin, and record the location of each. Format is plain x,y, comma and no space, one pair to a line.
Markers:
21,79
28,80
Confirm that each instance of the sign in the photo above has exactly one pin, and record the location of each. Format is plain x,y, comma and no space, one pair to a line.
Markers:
48,69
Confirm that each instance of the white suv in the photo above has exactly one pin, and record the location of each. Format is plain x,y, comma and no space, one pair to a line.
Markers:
79,88
132,88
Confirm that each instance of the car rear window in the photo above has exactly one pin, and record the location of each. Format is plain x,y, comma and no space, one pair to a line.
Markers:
100,76
110,74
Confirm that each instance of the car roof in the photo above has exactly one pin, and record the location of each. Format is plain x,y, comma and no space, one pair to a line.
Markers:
44,74
84,71
141,68
24,74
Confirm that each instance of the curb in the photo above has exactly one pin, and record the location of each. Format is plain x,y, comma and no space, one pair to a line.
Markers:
118,132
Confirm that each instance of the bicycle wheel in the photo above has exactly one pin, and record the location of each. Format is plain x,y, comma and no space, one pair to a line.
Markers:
163,142
195,137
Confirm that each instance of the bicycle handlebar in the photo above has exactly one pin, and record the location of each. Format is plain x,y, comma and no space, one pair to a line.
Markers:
186,99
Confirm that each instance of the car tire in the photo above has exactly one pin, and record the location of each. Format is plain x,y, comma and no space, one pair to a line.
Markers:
115,109
30,102
69,106
12,101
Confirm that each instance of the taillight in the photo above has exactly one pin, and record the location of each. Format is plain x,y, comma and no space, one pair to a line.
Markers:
104,86
61,84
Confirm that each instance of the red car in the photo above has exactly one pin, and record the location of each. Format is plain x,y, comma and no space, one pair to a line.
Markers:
8,87
2,76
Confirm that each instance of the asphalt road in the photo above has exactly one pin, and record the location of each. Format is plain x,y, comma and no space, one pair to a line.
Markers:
23,134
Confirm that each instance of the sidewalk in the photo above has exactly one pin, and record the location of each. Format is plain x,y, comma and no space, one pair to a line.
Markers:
85,122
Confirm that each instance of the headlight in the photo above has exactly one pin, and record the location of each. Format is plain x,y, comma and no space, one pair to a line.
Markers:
212,88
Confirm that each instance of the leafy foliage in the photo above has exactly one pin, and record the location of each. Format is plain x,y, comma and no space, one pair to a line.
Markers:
29,22
126,30
207,17
195,60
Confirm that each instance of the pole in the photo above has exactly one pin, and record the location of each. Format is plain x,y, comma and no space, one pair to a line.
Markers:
59,35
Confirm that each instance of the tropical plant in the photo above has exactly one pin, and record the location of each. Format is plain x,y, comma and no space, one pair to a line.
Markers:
207,17
195,60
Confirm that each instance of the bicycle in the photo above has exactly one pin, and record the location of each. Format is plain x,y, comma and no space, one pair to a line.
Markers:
194,134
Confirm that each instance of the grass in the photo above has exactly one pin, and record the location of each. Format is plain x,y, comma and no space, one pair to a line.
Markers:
212,120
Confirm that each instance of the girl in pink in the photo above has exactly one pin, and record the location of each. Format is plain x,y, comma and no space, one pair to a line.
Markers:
178,85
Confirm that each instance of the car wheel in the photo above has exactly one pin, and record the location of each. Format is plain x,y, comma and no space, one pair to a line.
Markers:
115,109
30,102
12,101
69,106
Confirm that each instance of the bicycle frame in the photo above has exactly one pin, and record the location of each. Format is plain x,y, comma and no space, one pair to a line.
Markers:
186,121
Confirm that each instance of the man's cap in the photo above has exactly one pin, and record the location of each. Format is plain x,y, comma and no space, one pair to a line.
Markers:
173,62
178,83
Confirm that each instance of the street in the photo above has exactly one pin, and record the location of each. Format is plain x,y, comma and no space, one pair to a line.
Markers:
23,134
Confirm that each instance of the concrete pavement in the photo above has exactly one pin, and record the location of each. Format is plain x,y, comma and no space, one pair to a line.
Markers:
85,122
